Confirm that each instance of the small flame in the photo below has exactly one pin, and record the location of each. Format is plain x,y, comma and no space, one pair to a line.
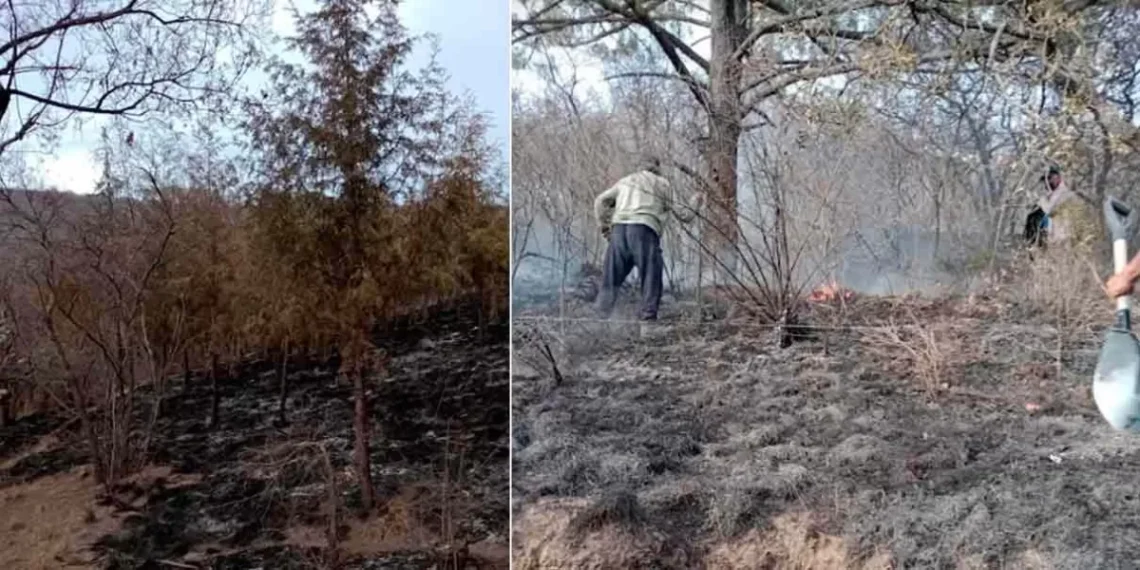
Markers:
829,292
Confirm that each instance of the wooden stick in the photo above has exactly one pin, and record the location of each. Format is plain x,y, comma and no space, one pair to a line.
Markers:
174,564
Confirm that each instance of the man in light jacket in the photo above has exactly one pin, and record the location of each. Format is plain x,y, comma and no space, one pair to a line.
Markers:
1069,219
640,204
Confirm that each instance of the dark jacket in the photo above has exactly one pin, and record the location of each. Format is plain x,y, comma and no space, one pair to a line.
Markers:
1035,232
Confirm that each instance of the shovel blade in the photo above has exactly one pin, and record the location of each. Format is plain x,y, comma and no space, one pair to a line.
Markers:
1116,380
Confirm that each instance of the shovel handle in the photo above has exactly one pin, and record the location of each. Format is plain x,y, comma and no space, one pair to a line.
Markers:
1119,261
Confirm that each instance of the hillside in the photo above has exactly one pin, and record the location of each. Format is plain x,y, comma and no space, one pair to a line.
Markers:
906,433
252,493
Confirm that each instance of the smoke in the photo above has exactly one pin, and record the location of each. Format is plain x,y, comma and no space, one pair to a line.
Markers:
541,266
898,260
890,260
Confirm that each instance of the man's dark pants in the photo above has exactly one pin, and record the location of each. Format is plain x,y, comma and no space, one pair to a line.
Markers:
633,245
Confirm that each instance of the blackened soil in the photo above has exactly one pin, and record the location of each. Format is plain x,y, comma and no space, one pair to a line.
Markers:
1001,461
443,408
23,434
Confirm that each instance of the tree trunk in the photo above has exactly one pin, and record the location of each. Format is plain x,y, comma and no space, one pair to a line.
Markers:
728,29
43,401
332,530
937,223
361,426
215,396
98,457
282,374
481,324
307,359
495,304
185,369
5,407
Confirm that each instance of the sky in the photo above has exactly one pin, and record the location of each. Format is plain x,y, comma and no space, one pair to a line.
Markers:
474,50
590,71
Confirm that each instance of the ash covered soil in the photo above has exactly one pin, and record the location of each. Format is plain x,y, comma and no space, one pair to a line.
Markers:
948,433
251,493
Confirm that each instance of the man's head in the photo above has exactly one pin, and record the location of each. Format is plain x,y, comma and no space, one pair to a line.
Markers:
1053,177
651,163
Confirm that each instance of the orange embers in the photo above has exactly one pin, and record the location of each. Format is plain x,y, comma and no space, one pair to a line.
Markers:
830,292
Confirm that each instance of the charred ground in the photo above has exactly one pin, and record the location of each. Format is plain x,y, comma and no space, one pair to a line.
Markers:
250,492
906,433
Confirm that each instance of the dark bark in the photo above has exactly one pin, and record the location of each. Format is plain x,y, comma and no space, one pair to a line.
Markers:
43,402
728,30
88,430
185,369
5,407
361,426
481,317
215,396
332,530
97,453
282,375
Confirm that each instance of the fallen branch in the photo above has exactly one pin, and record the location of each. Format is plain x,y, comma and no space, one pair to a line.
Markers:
174,564
549,354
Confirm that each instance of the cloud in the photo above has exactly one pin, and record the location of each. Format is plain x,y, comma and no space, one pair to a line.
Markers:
72,171
474,50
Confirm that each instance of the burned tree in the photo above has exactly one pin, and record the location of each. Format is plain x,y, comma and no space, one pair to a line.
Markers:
351,147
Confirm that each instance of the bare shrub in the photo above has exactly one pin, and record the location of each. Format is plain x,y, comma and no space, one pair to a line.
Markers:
301,464
537,349
555,347
1064,284
930,353
92,272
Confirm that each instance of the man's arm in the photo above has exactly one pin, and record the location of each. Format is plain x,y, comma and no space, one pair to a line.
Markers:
689,210
605,201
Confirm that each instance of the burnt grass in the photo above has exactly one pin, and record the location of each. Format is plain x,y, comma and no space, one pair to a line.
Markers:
442,413
713,431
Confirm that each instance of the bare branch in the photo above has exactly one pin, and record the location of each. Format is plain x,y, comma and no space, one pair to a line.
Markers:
786,22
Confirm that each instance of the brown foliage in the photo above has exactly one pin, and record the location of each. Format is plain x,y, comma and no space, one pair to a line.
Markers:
373,197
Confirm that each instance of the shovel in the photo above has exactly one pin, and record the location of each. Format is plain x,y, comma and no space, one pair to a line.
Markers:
1117,374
